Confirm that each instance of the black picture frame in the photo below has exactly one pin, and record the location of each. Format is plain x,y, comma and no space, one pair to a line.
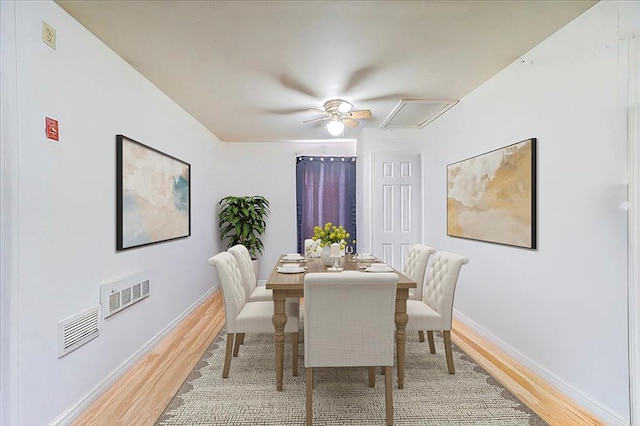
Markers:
153,195
492,197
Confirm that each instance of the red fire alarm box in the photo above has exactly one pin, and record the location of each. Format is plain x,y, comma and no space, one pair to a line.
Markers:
51,128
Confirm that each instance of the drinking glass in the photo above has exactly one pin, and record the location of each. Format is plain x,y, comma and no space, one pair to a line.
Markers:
349,251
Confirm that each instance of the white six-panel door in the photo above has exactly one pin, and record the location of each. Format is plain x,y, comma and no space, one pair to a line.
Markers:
397,206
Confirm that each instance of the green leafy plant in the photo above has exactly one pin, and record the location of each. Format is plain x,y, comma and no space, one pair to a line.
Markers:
242,220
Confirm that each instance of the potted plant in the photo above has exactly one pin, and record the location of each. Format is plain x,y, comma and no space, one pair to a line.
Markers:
242,221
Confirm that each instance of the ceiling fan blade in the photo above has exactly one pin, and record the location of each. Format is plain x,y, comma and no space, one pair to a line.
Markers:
363,113
350,122
285,111
293,84
357,77
316,119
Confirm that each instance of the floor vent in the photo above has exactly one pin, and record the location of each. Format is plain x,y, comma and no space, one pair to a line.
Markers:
77,330
123,293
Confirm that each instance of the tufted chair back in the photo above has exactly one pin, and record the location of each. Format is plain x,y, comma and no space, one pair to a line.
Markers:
442,276
349,319
232,289
415,267
243,258
349,322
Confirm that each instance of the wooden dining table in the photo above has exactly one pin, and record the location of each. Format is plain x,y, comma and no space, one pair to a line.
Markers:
286,285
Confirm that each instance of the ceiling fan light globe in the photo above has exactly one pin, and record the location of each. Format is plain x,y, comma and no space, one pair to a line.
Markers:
344,107
335,128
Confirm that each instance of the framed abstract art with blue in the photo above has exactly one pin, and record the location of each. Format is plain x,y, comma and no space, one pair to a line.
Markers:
153,195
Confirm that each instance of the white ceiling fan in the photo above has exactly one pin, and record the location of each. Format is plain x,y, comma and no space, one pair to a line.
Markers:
340,113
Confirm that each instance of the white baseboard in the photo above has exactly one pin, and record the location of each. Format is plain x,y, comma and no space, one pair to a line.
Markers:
68,416
262,282
569,391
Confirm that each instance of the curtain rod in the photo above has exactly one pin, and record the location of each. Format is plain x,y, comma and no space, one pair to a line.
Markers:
325,156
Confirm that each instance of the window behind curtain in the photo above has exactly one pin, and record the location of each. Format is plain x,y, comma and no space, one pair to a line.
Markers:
325,192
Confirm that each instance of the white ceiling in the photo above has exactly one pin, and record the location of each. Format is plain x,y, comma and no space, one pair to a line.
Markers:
250,70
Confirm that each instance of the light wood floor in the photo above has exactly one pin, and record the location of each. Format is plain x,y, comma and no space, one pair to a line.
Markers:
554,407
142,394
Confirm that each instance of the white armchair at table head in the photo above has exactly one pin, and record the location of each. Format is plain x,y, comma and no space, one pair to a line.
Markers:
435,311
349,322
311,248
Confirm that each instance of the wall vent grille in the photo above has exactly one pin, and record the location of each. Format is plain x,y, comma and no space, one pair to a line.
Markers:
77,330
124,292
416,113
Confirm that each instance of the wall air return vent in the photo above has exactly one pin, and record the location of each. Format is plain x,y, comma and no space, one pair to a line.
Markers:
123,293
77,330
416,113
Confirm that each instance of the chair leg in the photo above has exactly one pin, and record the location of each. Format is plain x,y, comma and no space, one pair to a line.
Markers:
227,356
448,351
421,335
432,346
242,339
388,395
239,339
294,350
309,402
372,377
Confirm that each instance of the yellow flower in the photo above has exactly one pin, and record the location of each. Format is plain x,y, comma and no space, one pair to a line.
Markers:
330,233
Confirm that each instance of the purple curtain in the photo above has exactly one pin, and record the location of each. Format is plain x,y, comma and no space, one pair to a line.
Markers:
325,192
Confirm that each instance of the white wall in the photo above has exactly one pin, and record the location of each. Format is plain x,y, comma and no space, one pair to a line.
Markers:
269,169
560,309
8,211
66,208
564,312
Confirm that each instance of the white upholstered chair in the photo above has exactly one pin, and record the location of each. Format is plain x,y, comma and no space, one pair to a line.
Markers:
415,267
242,317
349,322
435,311
311,248
253,292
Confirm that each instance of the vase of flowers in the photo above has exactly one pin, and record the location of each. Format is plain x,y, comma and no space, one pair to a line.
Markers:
327,235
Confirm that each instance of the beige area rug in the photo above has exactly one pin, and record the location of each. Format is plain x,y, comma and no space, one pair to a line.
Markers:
341,396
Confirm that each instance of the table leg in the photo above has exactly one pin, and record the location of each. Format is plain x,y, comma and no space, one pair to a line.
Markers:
401,335
279,320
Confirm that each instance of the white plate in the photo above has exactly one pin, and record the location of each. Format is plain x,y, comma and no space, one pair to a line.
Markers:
285,260
378,269
363,256
291,270
293,257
